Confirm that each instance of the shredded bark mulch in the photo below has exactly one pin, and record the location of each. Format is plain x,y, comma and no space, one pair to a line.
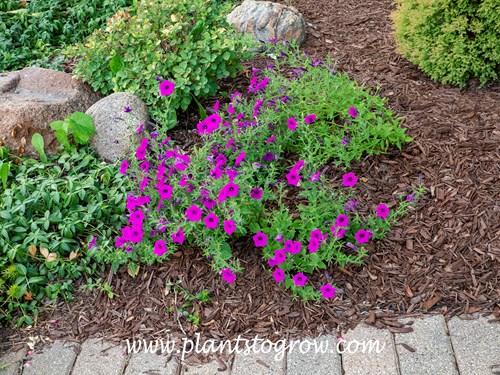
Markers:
444,256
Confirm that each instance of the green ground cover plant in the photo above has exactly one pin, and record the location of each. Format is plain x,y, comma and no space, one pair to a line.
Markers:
33,32
186,41
452,41
47,213
246,178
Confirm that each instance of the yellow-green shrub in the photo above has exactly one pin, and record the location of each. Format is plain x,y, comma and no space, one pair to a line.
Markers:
450,40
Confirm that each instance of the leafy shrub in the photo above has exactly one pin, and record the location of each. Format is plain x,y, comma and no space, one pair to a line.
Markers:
33,31
188,41
241,182
47,214
450,40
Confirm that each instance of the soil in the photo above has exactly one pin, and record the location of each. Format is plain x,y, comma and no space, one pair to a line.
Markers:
443,257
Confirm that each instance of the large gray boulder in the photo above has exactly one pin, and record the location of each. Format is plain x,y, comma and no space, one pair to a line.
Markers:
115,128
266,20
31,98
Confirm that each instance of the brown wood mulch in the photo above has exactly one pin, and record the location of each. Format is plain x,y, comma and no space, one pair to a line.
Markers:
444,256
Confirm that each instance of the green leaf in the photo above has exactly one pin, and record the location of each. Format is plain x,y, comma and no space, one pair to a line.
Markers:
39,145
82,126
4,173
116,64
57,125
62,137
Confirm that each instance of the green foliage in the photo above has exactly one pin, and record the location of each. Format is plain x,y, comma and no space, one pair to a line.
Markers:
241,172
187,41
5,166
78,127
33,31
48,214
336,136
452,41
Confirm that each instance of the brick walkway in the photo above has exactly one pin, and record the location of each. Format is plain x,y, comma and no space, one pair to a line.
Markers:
460,347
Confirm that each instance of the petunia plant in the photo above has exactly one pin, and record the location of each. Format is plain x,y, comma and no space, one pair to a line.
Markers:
249,178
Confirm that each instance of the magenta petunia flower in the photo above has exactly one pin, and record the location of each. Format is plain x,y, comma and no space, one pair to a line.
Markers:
124,166
178,237
262,84
160,248
279,238
92,243
272,262
140,128
298,166
220,160
338,231
342,221
166,88
211,220
382,211
120,241
288,246
315,177
297,246
136,218
279,256
214,121
193,213
256,193
216,173
144,166
292,123
327,291
143,184
204,128
309,119
135,234
270,139
300,279
411,198
229,227
279,275
230,109
349,179
208,203
231,189
362,236
268,156
293,178
239,158
141,151
317,235
313,245
353,113
228,275
165,191
260,240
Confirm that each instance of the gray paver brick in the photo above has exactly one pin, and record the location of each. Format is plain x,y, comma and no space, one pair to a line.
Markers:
311,360
476,344
57,358
258,364
433,351
357,362
148,363
12,361
99,358
210,368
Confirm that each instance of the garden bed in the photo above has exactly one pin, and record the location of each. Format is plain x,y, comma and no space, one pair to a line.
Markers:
442,257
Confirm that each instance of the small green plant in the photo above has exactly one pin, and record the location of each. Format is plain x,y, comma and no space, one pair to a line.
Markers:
452,41
34,32
106,288
188,300
187,41
78,127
